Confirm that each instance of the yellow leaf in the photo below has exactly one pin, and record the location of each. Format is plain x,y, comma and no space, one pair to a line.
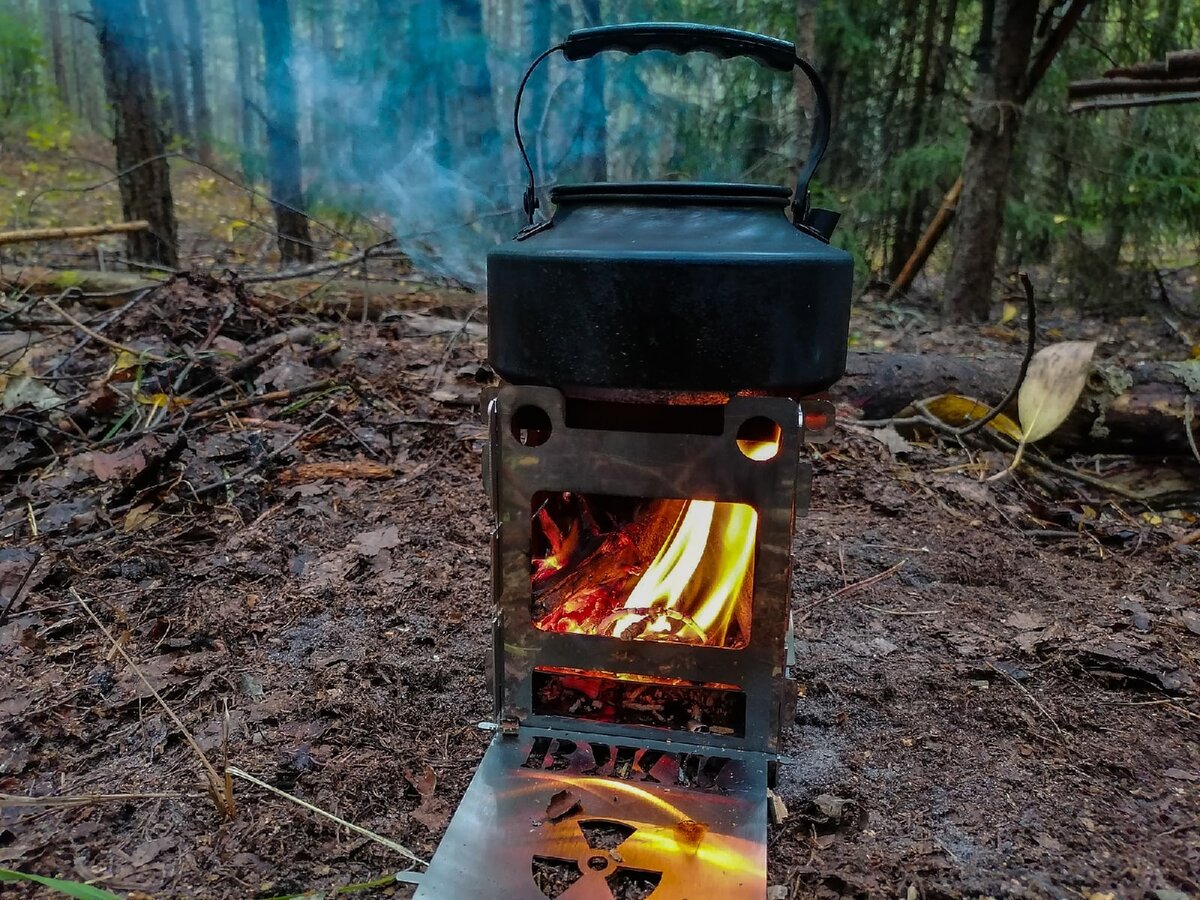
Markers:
125,360
1056,377
1060,218
957,411
1011,310
161,399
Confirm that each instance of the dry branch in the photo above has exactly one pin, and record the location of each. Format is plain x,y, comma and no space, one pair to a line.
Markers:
1132,102
1107,87
30,235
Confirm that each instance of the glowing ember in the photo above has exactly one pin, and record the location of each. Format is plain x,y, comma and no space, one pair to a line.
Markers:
668,571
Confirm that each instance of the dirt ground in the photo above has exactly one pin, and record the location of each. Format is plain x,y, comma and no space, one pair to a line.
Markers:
1009,709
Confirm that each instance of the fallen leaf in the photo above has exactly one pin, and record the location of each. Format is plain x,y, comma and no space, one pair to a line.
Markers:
830,806
160,399
563,804
1011,311
1024,621
28,391
958,411
1191,620
371,543
141,518
689,832
148,851
1056,377
121,464
424,783
891,439
1181,775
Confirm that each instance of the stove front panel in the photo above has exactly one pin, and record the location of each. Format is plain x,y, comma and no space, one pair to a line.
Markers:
534,453
570,815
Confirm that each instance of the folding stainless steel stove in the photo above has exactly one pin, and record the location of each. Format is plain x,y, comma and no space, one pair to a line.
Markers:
631,760
660,344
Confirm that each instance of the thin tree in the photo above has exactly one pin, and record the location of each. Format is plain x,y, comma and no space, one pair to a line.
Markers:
993,120
594,132
243,23
53,10
283,134
145,179
202,117
173,86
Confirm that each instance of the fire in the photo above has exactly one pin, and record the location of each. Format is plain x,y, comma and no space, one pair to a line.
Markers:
695,589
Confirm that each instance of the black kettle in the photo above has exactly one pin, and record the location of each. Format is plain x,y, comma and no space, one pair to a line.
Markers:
674,286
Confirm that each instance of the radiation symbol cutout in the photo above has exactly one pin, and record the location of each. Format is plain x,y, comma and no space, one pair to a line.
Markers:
593,855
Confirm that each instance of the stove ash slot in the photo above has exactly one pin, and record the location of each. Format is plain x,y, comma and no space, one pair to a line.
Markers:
674,704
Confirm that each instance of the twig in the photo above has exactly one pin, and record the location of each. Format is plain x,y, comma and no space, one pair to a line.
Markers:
320,268
357,829
1032,699
97,336
1188,416
269,397
852,588
16,595
84,799
56,234
216,784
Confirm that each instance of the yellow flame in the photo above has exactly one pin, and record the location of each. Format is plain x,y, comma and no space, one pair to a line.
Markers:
700,572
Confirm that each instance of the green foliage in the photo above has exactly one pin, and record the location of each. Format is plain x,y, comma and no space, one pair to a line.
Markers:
70,888
22,65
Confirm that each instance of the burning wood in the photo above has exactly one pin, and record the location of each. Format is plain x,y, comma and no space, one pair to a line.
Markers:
665,570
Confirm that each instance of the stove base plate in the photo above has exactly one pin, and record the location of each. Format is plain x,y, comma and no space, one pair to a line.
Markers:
571,815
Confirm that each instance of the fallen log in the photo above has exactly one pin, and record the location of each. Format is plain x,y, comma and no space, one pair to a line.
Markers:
37,281
31,235
1139,409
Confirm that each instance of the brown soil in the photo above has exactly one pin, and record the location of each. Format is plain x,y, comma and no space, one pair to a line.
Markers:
1012,712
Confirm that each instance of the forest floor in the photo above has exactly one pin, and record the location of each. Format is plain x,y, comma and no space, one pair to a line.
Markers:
998,680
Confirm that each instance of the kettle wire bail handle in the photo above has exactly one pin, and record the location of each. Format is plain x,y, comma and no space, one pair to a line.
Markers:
682,38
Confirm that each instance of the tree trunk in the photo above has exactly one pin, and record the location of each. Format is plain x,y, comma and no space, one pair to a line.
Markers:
993,122
1139,410
593,133
806,48
908,220
475,127
174,84
57,50
283,138
145,182
243,22
202,117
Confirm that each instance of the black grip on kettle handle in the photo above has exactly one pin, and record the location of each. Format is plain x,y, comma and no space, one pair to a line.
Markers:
679,37
682,38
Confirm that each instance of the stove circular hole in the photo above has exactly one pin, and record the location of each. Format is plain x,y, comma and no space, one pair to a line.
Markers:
758,438
531,426
599,863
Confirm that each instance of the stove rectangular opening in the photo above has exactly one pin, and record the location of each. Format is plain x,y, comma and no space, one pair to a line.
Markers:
673,703
667,570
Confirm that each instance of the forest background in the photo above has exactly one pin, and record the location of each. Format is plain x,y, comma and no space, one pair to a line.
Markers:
398,114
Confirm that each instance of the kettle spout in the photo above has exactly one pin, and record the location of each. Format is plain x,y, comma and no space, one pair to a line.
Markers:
821,222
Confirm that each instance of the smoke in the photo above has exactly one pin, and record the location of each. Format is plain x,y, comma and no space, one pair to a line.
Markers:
365,158
425,138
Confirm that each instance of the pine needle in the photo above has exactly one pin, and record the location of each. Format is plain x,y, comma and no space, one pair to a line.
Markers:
358,829
222,798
